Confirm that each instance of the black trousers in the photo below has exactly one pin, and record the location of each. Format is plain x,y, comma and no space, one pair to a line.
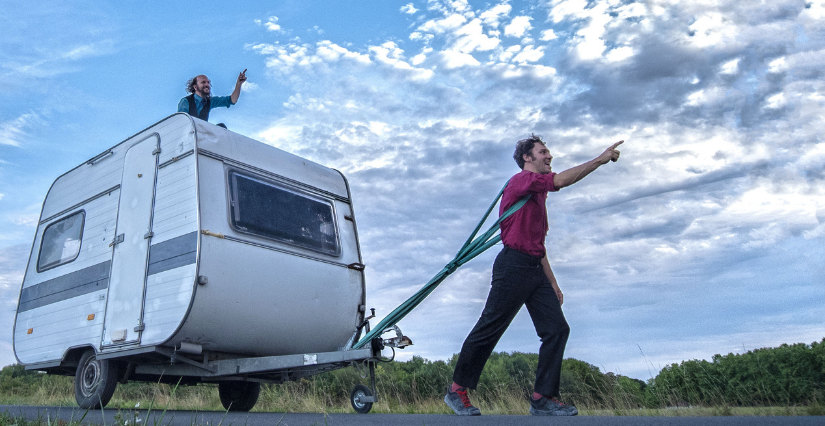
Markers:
518,279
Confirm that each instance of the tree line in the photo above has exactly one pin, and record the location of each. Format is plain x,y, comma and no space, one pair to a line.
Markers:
787,375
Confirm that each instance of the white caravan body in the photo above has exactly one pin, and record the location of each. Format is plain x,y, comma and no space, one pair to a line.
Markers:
187,235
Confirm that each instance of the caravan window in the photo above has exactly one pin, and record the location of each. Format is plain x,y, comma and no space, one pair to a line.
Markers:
272,211
61,242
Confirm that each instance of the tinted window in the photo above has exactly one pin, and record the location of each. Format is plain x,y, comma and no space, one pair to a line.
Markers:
61,242
264,209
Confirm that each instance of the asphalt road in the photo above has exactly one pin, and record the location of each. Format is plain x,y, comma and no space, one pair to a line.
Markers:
48,415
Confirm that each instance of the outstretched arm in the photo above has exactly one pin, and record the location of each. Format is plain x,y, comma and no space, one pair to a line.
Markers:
237,92
575,174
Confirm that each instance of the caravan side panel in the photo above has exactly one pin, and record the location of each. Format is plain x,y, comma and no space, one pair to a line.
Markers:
267,296
57,304
63,307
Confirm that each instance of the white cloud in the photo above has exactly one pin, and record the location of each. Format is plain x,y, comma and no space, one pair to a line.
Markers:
548,34
493,16
440,26
425,38
421,57
330,51
271,24
730,67
778,65
619,54
776,101
455,59
518,26
508,54
14,132
529,54
470,38
408,9
249,86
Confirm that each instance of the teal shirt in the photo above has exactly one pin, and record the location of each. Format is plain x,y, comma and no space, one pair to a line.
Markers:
217,102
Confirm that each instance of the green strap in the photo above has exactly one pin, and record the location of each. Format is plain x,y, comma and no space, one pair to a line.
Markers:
471,248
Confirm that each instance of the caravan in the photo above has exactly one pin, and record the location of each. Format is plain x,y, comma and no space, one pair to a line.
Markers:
190,253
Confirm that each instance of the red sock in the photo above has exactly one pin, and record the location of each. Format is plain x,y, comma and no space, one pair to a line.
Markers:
537,396
455,387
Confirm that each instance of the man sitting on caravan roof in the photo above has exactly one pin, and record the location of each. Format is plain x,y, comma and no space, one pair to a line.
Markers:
200,101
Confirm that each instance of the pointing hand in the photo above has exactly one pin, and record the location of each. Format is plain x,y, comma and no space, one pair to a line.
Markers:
610,154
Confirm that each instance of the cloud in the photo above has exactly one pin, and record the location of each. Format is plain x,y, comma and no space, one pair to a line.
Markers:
271,24
720,174
249,86
518,26
548,34
494,15
529,54
408,9
471,38
14,132
50,61
440,26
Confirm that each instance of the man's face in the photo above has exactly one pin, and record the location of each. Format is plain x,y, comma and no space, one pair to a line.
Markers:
202,86
539,159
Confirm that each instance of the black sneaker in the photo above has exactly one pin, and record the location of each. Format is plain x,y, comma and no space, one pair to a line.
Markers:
551,407
460,402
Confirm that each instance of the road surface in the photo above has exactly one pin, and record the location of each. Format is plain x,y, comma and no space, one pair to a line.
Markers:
48,415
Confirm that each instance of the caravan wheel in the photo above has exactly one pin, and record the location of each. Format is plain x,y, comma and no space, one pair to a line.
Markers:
94,381
239,396
359,406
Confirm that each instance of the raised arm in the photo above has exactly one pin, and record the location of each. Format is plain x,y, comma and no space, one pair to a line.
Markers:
575,174
237,92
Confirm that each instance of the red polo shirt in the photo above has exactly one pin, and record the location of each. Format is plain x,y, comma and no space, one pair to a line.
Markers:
525,229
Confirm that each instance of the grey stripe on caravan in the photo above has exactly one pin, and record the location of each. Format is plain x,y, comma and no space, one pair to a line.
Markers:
171,254
73,284
174,253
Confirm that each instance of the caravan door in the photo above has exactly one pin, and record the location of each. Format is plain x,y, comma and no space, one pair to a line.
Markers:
124,307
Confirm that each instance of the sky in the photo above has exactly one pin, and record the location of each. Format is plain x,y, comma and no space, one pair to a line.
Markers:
705,238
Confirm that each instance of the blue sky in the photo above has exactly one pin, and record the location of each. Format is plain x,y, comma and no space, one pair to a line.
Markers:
705,238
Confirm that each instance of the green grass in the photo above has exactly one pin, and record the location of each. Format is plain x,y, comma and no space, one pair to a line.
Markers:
788,380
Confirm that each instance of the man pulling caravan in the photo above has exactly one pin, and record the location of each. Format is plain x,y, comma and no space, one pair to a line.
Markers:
200,100
522,276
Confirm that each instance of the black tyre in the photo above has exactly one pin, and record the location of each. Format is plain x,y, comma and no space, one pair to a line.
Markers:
359,406
239,396
94,381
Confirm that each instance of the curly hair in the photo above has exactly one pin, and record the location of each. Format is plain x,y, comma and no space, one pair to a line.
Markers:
525,146
190,84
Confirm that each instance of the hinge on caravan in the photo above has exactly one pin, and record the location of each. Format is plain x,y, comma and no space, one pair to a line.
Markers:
140,327
156,151
119,239
149,234
357,266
